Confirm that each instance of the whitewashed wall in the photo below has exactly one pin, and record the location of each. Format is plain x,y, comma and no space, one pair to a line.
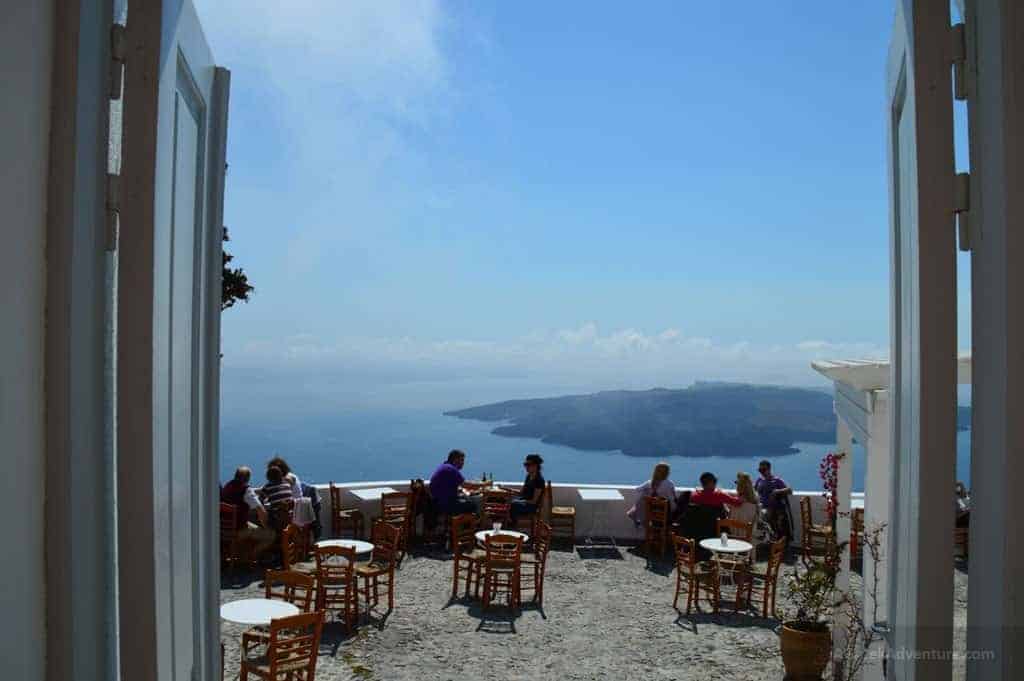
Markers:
25,65
603,518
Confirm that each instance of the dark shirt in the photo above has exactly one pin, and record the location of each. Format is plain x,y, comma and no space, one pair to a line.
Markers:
764,488
233,492
530,487
444,485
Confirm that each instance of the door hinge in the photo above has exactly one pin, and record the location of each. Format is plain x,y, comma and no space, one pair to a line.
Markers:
958,39
117,53
962,208
113,210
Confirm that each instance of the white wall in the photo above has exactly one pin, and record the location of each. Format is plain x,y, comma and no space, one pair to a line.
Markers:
603,517
25,64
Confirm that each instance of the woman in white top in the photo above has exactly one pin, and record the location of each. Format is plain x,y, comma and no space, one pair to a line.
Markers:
658,486
750,510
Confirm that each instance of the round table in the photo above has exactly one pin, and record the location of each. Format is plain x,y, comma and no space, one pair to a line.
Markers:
715,545
360,547
482,535
256,611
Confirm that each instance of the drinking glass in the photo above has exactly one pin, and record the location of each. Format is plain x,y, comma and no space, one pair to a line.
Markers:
497,528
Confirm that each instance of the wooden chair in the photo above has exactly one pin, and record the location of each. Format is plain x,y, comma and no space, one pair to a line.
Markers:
291,649
657,524
857,533
385,538
396,510
816,538
229,543
295,543
336,582
561,518
284,585
343,519
502,569
767,581
961,541
466,556
536,563
293,587
494,508
697,576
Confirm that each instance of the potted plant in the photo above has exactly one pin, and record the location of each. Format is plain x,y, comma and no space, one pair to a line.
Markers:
806,638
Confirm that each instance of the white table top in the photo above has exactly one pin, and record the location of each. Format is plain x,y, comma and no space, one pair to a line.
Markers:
482,535
597,494
254,611
857,502
358,545
372,493
731,546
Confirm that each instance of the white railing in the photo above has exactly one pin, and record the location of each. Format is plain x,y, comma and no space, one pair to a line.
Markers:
593,518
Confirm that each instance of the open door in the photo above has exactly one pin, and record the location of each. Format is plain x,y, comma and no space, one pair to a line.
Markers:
923,333
168,337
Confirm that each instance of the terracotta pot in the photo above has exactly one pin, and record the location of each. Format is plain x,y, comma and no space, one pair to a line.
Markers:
806,650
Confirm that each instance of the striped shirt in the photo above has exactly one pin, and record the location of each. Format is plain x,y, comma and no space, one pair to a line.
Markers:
275,493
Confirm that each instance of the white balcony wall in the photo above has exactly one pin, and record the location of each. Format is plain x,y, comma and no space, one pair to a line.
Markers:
600,518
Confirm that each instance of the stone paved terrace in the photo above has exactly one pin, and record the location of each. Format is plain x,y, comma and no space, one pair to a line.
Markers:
604,617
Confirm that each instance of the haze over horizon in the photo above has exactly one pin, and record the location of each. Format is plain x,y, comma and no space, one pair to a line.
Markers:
450,203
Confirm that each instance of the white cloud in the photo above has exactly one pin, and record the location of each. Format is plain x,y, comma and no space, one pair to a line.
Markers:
583,355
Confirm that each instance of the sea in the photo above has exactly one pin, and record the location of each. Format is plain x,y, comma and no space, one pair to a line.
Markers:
356,444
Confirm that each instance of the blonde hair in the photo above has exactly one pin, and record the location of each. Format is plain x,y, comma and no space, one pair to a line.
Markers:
745,488
659,474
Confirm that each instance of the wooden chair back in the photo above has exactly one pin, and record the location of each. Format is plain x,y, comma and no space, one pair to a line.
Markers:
775,557
229,523
503,550
335,497
294,545
495,505
542,542
386,543
463,533
295,640
656,512
686,554
806,517
334,564
395,506
737,529
287,585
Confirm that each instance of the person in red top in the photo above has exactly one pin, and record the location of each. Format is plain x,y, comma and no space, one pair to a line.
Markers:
710,495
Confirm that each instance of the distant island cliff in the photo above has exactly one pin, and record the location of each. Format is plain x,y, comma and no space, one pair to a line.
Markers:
706,419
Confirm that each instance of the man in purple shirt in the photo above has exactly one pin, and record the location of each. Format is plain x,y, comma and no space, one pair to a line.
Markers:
446,485
773,493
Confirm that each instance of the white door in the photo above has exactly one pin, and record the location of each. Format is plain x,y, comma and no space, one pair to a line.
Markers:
923,303
169,297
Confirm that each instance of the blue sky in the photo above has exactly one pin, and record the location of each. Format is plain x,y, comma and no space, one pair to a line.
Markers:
568,195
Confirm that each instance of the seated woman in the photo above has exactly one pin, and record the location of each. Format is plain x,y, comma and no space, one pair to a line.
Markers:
750,510
290,477
961,505
658,486
533,488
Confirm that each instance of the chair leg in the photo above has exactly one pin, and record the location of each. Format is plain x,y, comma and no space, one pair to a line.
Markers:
455,578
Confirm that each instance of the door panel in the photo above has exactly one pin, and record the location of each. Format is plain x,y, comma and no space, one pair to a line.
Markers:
923,333
171,613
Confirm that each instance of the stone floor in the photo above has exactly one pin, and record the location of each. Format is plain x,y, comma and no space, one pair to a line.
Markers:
607,615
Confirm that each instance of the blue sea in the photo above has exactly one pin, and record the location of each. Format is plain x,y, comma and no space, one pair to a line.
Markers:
399,444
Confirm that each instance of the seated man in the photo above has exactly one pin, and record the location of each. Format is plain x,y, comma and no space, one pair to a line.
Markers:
239,494
446,483
710,495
